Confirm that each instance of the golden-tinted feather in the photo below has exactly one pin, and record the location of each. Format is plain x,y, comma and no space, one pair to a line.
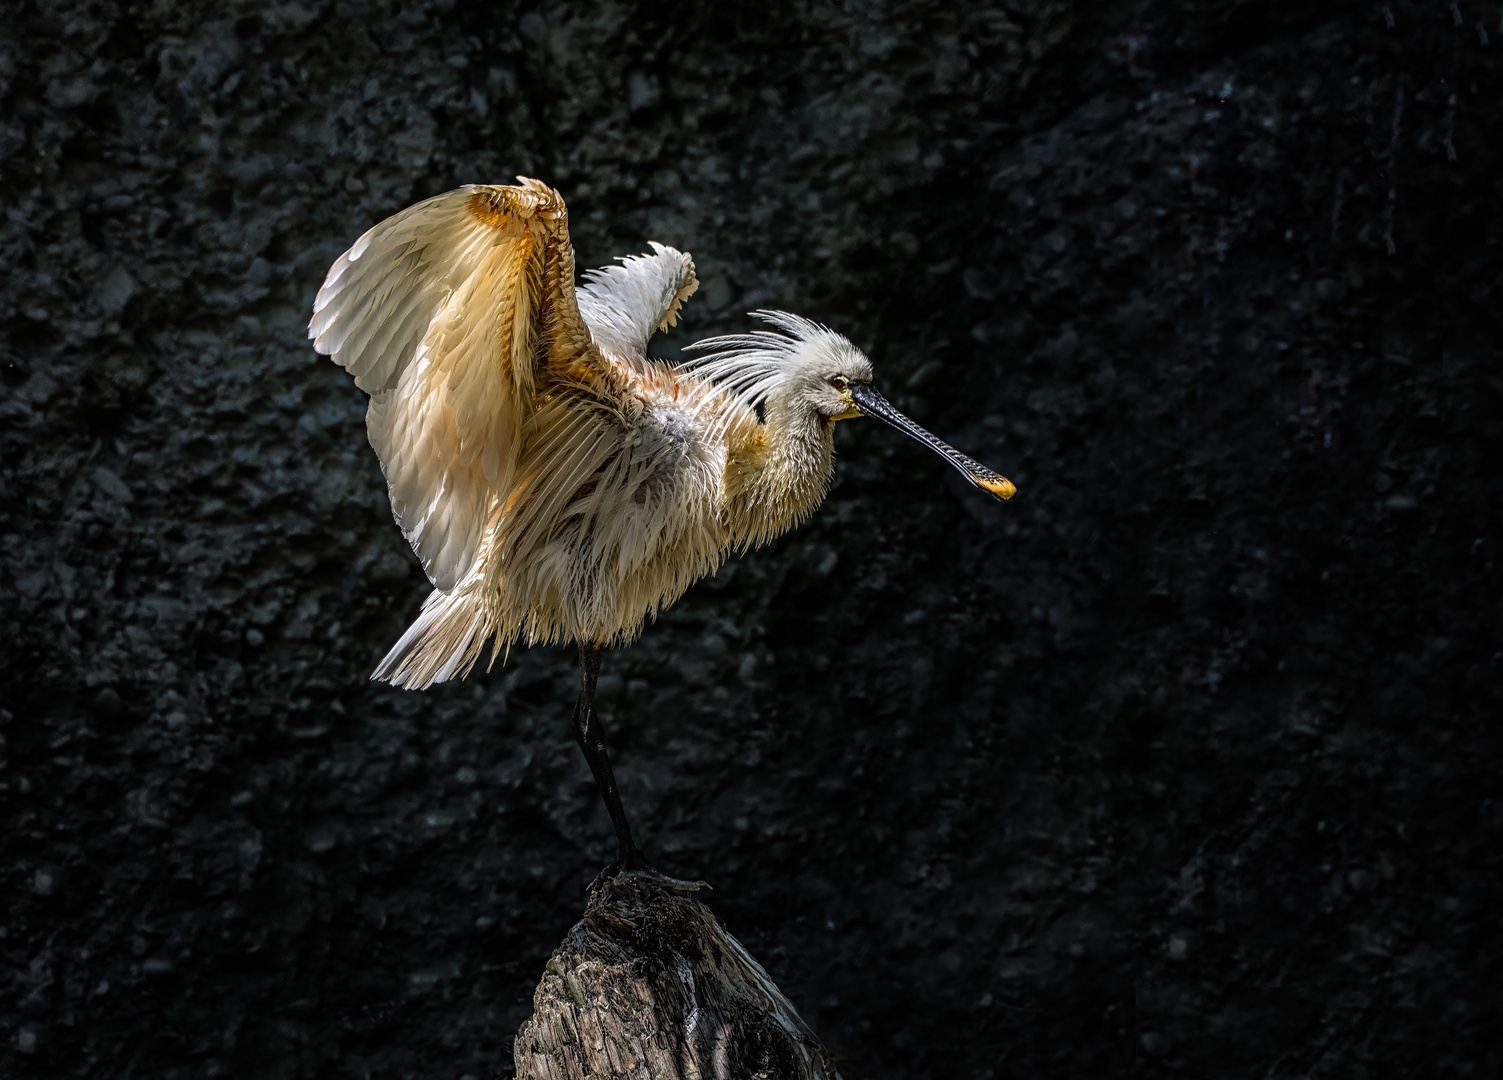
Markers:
506,432
438,312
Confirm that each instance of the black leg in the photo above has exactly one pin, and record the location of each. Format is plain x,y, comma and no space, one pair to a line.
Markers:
589,732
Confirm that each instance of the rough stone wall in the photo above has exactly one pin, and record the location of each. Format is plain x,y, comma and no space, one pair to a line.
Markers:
1188,756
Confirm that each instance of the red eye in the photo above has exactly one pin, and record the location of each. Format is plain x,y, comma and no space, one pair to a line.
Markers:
838,383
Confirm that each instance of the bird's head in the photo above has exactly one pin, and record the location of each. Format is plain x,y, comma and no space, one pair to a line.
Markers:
821,374
811,368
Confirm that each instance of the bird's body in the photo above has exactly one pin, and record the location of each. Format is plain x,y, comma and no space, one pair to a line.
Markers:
556,482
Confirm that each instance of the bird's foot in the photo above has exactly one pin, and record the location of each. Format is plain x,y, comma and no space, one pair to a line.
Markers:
634,866
647,873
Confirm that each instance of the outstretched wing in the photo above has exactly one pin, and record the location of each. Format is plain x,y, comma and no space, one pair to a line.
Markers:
625,305
443,314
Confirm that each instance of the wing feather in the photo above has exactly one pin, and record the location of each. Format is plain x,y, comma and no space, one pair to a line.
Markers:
506,409
625,305
440,312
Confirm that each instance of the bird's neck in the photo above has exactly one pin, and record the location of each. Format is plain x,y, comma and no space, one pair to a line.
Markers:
779,473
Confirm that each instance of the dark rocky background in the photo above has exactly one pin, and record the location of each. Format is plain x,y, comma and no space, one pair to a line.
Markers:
1186,762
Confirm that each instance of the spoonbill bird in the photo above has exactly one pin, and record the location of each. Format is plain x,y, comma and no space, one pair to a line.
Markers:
557,483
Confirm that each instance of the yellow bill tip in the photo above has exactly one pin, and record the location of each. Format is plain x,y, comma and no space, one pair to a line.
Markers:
1000,486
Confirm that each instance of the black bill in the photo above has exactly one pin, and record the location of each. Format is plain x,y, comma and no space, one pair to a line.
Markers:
874,404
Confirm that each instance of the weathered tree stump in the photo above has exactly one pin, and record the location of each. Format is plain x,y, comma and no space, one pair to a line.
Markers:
648,986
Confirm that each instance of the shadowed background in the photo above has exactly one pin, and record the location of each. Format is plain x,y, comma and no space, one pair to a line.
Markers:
1185,762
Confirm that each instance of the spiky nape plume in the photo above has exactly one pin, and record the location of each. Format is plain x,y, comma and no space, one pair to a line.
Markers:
747,368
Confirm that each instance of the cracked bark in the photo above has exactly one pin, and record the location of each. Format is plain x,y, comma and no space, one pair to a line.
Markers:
649,985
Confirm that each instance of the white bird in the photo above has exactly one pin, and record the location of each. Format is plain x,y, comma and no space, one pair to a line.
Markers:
557,483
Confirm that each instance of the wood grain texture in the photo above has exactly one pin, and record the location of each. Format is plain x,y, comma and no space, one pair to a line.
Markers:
649,985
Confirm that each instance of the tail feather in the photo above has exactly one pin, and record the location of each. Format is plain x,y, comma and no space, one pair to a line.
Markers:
442,642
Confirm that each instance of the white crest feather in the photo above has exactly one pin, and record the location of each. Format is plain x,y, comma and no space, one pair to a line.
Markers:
747,368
